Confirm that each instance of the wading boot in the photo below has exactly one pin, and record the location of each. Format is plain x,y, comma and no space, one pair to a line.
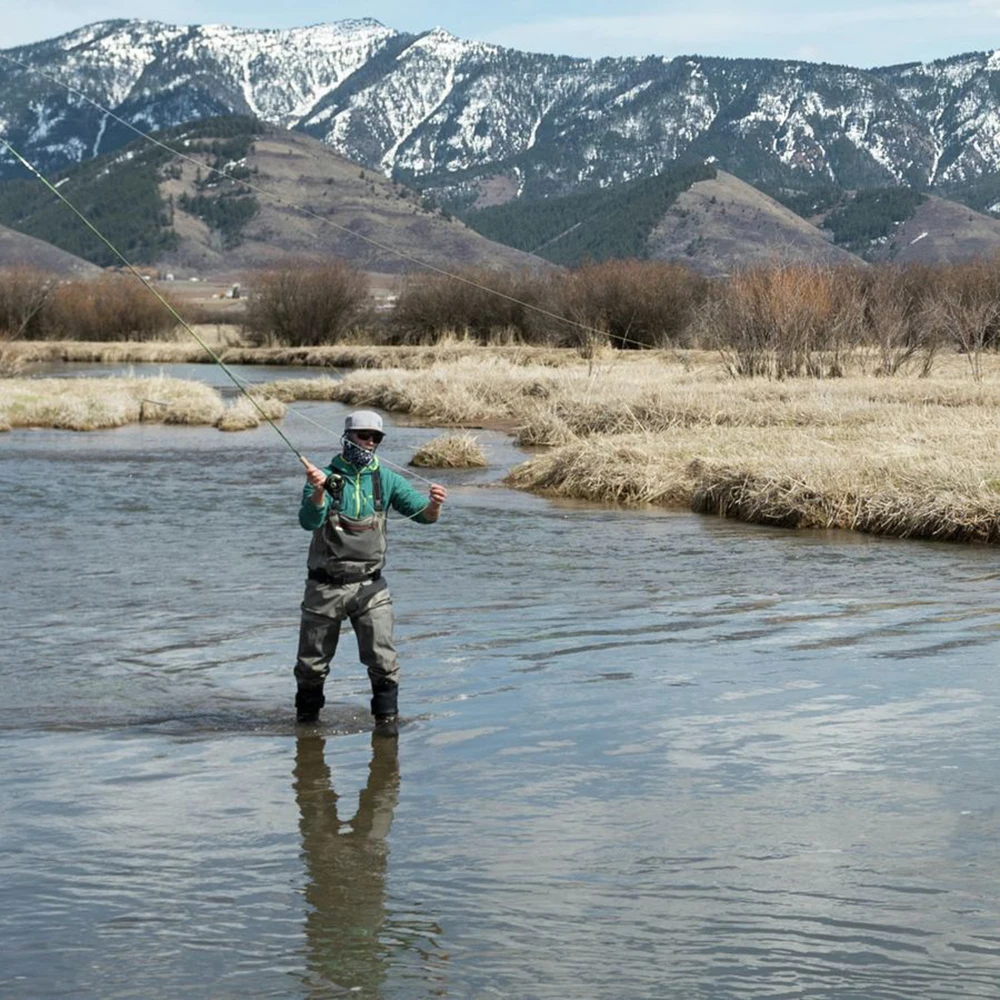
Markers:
308,702
385,696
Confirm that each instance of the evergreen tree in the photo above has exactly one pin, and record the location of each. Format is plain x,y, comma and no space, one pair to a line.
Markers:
600,224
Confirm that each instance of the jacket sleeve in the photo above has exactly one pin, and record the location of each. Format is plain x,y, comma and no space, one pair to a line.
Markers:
402,497
310,516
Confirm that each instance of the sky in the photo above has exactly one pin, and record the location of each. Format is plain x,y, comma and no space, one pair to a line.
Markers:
851,32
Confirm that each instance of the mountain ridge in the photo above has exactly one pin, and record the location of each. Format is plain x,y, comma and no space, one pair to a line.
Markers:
449,114
229,195
20,250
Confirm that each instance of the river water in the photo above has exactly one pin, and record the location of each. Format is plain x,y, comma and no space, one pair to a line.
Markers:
646,754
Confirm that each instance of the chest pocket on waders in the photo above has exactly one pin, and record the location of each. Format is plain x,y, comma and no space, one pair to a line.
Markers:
358,539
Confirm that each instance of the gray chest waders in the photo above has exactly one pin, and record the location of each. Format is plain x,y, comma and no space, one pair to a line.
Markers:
347,551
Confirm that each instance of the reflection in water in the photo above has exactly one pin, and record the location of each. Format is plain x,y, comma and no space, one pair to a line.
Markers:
346,865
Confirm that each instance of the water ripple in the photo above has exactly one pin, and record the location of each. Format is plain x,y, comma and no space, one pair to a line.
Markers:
646,754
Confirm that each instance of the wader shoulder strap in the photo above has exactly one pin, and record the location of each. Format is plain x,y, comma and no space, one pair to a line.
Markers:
377,489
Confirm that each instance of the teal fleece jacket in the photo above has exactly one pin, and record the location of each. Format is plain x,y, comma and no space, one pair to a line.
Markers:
358,498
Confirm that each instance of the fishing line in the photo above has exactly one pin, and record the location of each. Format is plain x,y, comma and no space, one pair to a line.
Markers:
329,430
127,264
333,433
277,199
234,378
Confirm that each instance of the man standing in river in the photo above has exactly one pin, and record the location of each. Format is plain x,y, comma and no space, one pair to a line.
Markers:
345,506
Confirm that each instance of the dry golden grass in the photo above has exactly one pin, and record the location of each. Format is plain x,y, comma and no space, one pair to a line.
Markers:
914,457
10,362
123,352
907,483
291,389
451,451
97,403
243,415
907,456
226,343
473,388
634,393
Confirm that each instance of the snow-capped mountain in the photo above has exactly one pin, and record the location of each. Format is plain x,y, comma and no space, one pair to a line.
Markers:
451,115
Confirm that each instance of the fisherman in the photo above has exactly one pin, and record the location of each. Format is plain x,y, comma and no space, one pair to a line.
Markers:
345,506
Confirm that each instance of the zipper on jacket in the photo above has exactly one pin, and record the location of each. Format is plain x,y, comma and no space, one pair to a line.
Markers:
358,493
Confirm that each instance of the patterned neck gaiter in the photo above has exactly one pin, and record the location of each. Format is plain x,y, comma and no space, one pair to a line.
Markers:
358,457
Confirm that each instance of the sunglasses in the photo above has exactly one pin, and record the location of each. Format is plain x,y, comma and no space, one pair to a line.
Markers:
367,436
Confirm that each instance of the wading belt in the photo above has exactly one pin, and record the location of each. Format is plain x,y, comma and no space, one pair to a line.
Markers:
339,579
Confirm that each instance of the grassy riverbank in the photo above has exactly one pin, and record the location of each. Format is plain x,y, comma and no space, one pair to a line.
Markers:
901,455
226,344
88,404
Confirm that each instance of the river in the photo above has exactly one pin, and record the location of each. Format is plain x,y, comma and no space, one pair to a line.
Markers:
645,753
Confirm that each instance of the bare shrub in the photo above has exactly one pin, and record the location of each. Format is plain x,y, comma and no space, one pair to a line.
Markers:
23,294
110,308
630,304
895,320
306,304
782,321
964,307
483,304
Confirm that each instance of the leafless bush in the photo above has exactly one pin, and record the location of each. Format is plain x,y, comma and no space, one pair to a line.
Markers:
23,295
895,319
110,308
781,321
306,304
487,305
964,307
630,303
